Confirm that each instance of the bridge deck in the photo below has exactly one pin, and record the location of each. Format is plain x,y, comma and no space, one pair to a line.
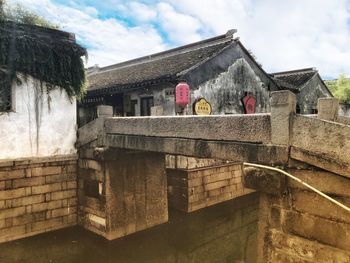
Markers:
318,142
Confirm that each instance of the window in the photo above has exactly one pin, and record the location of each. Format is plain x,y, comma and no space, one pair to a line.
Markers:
132,111
5,102
169,92
146,104
91,188
5,96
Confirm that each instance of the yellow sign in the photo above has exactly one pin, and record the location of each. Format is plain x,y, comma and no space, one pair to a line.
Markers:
202,107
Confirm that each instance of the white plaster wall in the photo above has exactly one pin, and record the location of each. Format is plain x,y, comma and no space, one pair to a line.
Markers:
33,129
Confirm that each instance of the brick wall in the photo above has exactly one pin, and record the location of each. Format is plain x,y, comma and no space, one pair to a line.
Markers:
185,162
92,199
122,193
37,195
193,189
301,226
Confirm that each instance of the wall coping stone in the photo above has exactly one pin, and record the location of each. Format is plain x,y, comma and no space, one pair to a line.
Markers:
35,160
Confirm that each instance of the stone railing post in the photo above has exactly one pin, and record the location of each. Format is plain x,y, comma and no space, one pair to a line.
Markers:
327,109
104,111
283,107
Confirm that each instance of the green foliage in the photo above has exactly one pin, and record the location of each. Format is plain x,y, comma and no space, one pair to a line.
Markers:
340,88
48,55
332,85
19,14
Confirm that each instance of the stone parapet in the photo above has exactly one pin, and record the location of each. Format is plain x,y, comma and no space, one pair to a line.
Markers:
328,109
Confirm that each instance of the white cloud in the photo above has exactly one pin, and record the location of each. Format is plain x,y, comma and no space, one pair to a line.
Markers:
180,28
108,41
142,12
283,35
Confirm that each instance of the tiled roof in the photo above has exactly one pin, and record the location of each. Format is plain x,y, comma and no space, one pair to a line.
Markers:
165,65
294,78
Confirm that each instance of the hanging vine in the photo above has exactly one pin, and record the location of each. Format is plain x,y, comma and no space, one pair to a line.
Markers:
48,55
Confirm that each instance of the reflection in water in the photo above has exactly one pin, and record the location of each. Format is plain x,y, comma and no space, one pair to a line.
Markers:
223,233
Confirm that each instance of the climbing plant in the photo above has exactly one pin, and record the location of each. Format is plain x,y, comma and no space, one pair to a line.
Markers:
49,56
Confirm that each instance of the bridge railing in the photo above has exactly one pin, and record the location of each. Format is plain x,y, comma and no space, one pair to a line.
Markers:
323,141
320,141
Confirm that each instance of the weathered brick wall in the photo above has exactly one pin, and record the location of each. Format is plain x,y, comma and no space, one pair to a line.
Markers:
185,162
121,193
36,196
193,189
92,196
301,226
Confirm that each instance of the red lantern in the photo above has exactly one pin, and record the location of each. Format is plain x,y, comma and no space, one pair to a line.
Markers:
182,94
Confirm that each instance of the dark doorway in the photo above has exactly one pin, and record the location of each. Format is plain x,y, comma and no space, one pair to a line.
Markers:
132,112
115,100
146,104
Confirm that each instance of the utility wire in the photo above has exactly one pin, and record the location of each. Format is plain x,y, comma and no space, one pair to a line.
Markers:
299,181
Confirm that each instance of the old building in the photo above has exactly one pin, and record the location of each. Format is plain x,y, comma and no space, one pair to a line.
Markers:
307,84
220,69
41,73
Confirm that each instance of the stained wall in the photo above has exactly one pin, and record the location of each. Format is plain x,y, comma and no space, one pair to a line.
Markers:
40,123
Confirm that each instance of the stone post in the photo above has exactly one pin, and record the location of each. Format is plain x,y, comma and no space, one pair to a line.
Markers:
327,109
283,107
104,111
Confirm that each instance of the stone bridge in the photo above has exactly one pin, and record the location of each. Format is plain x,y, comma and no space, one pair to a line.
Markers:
262,138
123,186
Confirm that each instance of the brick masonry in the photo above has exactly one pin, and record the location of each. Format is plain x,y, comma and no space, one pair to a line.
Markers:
92,200
37,195
193,189
124,193
301,226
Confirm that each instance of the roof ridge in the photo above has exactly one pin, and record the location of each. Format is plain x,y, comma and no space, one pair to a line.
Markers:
168,53
295,71
13,26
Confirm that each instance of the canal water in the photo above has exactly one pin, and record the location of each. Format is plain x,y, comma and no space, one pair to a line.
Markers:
223,233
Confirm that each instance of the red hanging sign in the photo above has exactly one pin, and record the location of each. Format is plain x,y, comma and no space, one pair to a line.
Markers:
249,103
182,94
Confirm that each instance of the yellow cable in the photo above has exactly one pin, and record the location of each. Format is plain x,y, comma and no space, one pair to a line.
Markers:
300,181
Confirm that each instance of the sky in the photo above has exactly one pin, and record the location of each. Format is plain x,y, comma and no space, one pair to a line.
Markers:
283,35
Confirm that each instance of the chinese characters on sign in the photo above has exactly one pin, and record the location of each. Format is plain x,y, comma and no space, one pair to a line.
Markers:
202,107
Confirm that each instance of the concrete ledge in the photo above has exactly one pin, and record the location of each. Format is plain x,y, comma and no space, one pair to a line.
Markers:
255,128
326,139
265,181
320,160
90,131
232,151
36,160
326,182
344,120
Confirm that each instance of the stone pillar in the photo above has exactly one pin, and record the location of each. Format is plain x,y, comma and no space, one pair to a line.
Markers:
122,192
283,107
327,109
104,111
136,192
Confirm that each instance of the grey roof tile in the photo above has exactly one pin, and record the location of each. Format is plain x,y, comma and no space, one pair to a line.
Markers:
164,65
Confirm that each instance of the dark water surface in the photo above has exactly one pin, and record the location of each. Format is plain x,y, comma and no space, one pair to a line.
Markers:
223,233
